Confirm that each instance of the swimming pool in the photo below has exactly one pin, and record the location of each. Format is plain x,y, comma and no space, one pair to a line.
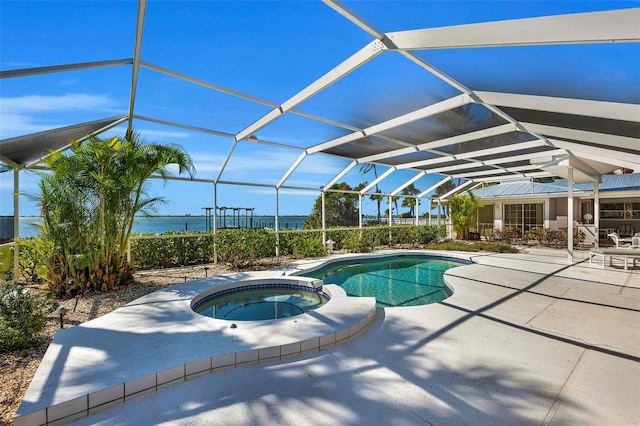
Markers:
261,302
401,280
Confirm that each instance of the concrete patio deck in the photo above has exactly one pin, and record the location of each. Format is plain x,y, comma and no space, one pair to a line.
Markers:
525,339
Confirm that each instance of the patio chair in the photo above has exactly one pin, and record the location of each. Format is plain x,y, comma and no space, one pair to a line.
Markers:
625,230
635,241
616,240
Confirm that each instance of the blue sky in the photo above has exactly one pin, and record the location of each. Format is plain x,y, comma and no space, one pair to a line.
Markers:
269,50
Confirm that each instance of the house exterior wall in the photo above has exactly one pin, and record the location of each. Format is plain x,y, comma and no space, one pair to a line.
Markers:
556,212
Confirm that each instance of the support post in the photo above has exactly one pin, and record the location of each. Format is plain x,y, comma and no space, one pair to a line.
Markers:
596,211
360,211
390,218
324,224
16,224
277,223
215,222
417,211
570,215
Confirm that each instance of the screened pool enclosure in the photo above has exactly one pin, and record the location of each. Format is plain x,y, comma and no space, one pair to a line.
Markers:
283,100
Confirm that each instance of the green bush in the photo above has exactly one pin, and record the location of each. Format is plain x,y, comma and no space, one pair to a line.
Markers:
357,242
242,247
376,236
170,252
22,315
35,258
404,235
6,263
430,234
306,245
290,242
474,247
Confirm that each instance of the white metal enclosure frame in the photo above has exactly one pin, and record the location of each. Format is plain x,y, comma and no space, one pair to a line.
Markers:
473,135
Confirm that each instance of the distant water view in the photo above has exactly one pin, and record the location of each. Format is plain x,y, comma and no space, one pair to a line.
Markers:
161,224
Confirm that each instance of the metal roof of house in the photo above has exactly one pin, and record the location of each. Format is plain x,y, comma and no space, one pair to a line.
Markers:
399,101
610,183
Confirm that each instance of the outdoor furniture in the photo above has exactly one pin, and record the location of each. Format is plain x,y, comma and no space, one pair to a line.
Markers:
619,253
620,242
635,240
625,230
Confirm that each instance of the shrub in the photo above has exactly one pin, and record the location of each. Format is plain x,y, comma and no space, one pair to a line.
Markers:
508,234
376,236
35,256
430,234
357,242
89,202
474,247
404,235
242,247
306,245
463,208
22,315
6,263
170,252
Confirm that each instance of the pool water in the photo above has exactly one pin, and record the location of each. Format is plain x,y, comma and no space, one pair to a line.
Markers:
393,281
261,304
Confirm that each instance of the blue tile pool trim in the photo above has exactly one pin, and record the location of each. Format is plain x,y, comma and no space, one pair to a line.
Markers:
259,286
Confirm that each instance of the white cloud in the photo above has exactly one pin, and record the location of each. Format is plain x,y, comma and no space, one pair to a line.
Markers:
18,124
155,135
39,103
27,114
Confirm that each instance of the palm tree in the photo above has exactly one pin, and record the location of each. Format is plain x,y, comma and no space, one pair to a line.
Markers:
463,208
377,197
443,189
408,201
89,204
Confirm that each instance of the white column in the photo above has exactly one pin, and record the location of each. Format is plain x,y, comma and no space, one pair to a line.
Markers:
16,224
324,224
360,211
277,223
390,217
417,211
215,222
596,211
215,208
570,215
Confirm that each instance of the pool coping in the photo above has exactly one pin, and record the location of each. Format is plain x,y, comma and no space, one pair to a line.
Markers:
68,387
71,383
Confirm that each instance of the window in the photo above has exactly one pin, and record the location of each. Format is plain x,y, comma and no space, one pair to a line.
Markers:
620,211
483,219
524,216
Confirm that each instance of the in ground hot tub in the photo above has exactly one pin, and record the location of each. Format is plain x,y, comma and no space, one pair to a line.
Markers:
261,299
